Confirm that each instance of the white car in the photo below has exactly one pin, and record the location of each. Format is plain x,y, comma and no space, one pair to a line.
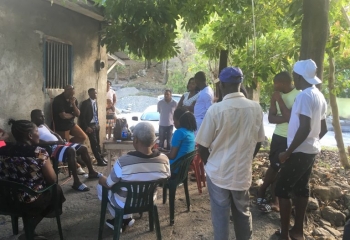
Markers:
149,115
175,96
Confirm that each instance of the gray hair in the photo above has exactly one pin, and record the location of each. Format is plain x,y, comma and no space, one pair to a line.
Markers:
145,132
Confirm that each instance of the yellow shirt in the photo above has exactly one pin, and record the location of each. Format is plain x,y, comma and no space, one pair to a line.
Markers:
288,99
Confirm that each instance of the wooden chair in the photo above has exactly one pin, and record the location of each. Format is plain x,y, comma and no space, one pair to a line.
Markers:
181,166
139,199
10,205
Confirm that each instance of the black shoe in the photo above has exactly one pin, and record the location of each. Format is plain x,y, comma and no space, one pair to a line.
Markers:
101,164
110,223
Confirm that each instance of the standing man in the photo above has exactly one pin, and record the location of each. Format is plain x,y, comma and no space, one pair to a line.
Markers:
231,129
307,126
281,104
89,123
64,110
166,108
205,98
111,93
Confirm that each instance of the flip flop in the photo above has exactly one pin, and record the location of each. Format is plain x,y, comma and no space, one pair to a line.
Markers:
97,176
81,188
265,208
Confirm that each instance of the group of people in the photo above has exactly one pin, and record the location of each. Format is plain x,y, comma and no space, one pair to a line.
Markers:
228,136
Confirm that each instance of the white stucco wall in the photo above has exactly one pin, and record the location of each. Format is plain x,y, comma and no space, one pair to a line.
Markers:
23,24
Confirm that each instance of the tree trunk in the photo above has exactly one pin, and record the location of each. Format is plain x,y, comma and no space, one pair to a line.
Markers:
315,31
166,73
222,65
149,63
254,91
336,124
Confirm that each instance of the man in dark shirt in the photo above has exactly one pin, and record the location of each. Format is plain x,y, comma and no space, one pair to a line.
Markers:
64,110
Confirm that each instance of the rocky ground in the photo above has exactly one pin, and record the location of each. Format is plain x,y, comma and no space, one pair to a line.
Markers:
327,211
329,203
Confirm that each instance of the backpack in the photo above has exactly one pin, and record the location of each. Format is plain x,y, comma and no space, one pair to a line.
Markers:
117,132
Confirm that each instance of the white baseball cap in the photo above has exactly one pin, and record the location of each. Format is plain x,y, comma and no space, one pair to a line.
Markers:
307,69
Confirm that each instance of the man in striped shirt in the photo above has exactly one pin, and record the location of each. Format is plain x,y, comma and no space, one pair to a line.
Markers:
144,164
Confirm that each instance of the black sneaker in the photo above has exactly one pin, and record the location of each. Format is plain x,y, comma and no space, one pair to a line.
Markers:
110,223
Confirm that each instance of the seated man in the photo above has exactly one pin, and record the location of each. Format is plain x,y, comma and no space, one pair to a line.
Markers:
132,167
61,150
64,110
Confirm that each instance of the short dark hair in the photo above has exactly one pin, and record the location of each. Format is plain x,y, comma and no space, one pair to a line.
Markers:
283,77
34,113
168,90
21,128
186,119
109,82
91,89
200,76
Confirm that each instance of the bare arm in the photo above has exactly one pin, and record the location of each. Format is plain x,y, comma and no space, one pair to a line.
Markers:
173,152
114,99
103,181
284,110
203,153
181,102
48,172
324,129
76,111
273,118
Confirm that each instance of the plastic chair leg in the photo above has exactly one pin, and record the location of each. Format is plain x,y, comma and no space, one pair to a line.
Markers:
14,221
28,229
172,193
187,194
58,220
118,221
151,220
102,216
164,194
156,220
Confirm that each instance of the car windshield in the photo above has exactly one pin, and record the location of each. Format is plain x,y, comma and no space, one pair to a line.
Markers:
150,116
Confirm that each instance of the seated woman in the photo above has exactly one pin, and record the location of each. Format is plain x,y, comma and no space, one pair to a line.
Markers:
183,141
188,100
30,165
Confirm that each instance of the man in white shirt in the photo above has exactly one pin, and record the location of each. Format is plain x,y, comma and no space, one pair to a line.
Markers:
166,108
307,126
205,98
231,129
62,151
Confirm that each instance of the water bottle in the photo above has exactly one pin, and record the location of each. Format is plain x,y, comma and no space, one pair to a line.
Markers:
124,133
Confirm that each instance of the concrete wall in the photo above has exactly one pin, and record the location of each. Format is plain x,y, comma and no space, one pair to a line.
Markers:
23,24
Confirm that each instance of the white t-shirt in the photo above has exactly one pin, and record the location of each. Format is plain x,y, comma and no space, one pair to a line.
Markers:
110,94
312,104
46,135
204,101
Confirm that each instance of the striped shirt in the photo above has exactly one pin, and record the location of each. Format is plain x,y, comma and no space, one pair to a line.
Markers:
134,167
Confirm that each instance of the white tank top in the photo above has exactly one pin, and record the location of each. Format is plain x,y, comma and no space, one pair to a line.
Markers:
188,101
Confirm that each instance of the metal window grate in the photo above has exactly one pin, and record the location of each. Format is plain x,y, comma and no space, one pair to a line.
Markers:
58,63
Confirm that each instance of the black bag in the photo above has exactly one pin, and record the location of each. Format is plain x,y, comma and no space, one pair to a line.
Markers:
117,132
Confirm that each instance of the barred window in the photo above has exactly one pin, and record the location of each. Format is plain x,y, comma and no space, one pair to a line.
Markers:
58,64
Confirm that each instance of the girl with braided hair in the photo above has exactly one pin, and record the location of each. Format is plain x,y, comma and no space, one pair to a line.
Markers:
27,164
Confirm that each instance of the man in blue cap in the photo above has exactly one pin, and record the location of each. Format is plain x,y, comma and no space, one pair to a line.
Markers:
231,130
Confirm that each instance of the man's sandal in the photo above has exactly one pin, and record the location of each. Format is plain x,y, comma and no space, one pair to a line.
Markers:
265,208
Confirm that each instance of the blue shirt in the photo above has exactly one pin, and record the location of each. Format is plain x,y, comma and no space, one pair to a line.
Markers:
184,140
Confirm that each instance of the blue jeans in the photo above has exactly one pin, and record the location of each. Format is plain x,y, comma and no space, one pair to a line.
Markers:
165,133
220,203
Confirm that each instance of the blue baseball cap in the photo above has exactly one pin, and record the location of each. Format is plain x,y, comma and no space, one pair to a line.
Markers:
231,75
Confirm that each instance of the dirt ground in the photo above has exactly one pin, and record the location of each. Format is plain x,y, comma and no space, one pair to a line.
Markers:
81,213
